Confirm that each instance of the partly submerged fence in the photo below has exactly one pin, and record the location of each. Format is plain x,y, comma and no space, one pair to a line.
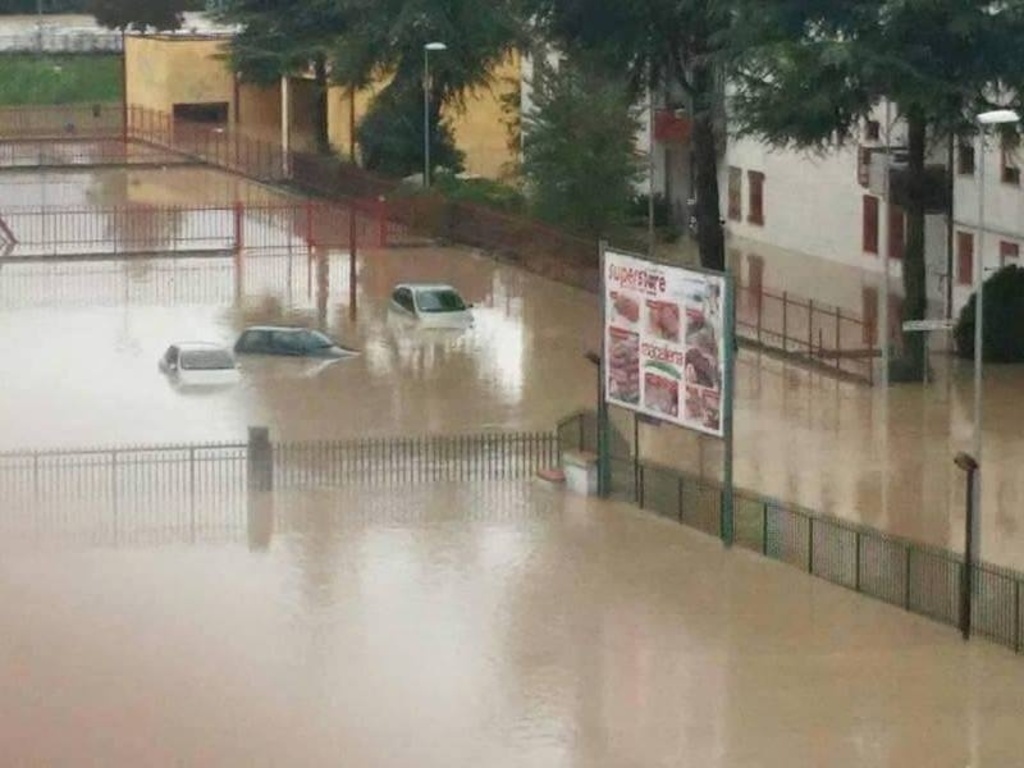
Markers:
137,228
918,578
833,339
139,493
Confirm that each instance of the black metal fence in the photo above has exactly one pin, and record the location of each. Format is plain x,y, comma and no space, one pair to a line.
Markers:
413,460
189,492
919,578
129,494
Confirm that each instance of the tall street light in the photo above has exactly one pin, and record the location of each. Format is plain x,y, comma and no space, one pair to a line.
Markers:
985,119
426,107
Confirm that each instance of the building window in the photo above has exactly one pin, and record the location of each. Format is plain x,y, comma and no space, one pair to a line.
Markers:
864,166
870,225
755,180
869,306
1011,170
1009,253
897,232
965,158
735,193
872,130
964,258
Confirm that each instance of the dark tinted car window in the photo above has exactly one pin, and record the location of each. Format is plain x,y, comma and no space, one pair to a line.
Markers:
440,301
253,341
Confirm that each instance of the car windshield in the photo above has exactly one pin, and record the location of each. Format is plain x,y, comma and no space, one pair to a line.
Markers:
441,300
206,360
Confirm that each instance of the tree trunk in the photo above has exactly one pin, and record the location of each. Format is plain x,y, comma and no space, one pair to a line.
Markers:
323,141
910,367
710,237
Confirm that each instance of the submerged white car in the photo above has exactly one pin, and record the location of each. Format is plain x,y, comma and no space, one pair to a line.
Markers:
199,364
431,304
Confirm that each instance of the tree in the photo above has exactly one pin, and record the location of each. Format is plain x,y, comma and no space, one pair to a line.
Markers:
806,74
579,150
675,44
139,15
391,135
385,43
285,38
1003,323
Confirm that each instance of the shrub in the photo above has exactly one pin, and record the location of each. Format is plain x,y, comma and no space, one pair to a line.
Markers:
484,191
638,210
1003,326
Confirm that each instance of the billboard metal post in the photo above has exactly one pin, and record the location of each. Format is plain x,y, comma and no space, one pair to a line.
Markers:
604,474
728,390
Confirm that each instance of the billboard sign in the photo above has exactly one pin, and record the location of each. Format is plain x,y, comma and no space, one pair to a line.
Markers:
664,341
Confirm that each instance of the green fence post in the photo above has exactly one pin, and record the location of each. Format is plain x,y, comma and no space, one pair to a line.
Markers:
727,523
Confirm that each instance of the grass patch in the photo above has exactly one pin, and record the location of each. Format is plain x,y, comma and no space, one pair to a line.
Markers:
59,79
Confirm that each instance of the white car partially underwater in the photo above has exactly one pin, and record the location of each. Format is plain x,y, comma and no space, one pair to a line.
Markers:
433,305
199,365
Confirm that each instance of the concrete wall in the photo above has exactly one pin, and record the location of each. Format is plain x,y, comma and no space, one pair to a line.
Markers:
164,70
480,128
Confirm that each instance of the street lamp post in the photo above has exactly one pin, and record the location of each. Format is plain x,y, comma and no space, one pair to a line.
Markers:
967,463
985,119
426,107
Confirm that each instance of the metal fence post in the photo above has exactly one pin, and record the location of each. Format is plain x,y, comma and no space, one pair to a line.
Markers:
192,492
810,545
906,579
839,344
1016,615
113,490
785,320
260,460
810,327
764,529
856,563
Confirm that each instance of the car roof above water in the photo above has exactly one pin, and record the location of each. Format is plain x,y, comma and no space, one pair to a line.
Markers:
279,328
187,346
425,286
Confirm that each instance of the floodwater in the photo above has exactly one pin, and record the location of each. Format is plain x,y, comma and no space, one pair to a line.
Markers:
81,342
506,625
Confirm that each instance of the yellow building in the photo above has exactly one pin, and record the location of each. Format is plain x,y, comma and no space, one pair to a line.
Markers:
188,77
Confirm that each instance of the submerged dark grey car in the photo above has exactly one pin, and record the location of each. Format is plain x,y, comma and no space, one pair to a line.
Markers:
289,342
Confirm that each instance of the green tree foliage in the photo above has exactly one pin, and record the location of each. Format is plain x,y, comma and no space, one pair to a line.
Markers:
806,74
284,38
138,15
391,135
387,37
673,44
579,151
1003,323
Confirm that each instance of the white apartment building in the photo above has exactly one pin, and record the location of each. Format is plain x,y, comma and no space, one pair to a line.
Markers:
787,211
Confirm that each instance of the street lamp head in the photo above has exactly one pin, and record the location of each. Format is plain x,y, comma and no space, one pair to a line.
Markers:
436,47
998,116
965,461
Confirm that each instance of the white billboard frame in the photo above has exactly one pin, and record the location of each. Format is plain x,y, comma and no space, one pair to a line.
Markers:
667,341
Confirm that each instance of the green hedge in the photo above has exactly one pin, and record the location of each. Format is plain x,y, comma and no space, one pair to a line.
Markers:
1003,321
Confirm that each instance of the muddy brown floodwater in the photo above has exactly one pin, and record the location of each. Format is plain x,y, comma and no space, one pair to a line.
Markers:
505,625
80,345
